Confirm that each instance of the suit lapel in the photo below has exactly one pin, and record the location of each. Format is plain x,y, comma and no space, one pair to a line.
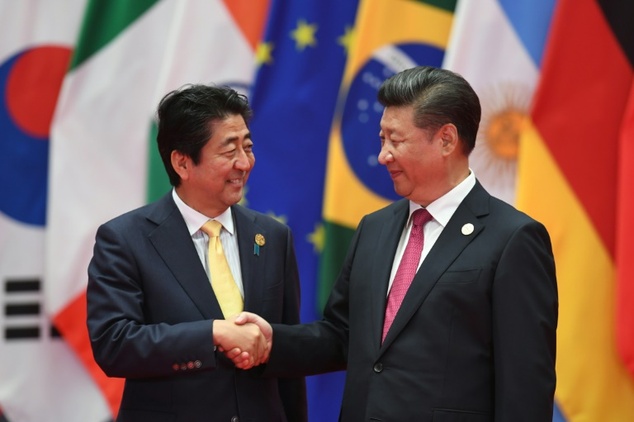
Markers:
252,264
446,249
387,243
173,243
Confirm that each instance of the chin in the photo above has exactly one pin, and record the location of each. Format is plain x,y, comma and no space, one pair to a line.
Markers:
400,191
237,199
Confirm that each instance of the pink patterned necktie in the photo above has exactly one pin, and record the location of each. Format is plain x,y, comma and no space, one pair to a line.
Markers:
407,268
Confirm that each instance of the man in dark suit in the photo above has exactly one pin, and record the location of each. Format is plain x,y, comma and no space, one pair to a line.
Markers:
472,338
153,315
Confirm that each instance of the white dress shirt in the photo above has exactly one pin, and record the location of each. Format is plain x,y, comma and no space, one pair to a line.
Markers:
228,237
441,210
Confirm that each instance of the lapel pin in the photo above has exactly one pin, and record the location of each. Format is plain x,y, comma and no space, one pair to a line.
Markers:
467,229
259,241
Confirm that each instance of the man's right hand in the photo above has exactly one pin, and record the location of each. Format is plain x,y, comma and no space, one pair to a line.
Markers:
244,343
242,358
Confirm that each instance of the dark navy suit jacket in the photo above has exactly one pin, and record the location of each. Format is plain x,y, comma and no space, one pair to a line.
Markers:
150,312
474,339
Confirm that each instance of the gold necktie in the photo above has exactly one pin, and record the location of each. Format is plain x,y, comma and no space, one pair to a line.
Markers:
222,281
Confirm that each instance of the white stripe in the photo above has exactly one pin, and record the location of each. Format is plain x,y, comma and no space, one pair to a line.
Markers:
98,160
485,49
33,370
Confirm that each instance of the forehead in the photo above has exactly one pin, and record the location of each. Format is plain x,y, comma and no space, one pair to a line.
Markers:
395,118
230,129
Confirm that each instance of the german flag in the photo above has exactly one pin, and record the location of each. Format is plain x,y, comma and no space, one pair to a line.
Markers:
576,173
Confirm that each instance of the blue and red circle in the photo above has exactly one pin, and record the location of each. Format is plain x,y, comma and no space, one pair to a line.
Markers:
30,82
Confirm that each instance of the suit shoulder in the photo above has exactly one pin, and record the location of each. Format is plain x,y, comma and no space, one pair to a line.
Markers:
142,213
505,212
388,211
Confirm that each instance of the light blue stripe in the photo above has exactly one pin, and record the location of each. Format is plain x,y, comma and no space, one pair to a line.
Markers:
531,20
557,415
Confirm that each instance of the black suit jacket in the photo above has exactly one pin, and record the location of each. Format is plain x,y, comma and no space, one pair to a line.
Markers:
474,339
150,312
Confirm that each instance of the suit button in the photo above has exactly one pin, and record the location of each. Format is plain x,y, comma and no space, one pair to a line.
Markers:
378,367
235,419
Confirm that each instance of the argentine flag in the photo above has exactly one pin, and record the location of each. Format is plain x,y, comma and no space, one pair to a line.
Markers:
497,46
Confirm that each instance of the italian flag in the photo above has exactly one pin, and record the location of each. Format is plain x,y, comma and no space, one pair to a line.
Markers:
575,173
103,160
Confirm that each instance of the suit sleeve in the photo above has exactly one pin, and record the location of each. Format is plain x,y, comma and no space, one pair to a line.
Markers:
320,346
124,342
525,309
292,390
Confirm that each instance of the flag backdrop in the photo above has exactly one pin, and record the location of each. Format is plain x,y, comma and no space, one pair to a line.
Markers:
36,42
504,77
129,55
301,61
569,179
391,35
575,161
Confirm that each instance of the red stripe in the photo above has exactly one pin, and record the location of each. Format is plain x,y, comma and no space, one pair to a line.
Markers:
579,107
71,322
250,17
625,240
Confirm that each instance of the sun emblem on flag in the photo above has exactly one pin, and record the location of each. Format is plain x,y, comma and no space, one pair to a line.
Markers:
504,118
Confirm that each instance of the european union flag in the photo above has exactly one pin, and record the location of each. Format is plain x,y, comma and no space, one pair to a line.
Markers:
302,59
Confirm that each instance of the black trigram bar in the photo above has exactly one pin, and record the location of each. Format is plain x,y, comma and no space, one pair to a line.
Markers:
32,308
22,309
17,333
24,285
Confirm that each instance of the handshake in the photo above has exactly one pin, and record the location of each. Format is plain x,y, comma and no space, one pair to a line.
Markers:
246,339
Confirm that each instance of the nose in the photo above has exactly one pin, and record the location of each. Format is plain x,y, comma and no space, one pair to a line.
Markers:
243,161
385,156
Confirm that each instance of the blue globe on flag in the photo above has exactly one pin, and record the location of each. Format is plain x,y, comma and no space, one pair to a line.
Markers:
362,112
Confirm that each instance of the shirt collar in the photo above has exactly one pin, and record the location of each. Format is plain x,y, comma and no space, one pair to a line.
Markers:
194,220
443,208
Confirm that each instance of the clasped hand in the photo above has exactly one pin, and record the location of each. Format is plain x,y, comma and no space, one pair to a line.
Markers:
245,339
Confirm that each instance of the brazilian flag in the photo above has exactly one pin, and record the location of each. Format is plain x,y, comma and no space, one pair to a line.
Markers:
391,35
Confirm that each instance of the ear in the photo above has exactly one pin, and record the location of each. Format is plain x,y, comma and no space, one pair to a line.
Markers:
181,164
449,138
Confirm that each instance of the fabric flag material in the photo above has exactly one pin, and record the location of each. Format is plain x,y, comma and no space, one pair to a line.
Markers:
569,169
356,183
497,46
301,61
625,237
36,43
129,55
625,203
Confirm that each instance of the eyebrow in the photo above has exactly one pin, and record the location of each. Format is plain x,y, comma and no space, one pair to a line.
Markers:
233,139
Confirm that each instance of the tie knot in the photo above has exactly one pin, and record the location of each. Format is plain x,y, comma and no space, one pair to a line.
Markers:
420,217
212,228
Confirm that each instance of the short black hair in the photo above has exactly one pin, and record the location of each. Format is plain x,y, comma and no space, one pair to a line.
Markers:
439,96
185,116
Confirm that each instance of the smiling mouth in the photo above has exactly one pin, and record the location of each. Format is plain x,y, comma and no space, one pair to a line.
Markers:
395,173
